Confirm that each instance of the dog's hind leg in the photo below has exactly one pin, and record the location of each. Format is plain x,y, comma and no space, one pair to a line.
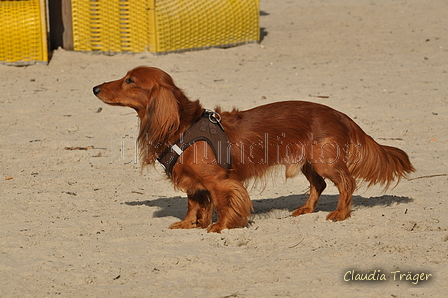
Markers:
317,186
346,185
339,174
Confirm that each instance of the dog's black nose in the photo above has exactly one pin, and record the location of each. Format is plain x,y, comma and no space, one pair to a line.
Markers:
96,90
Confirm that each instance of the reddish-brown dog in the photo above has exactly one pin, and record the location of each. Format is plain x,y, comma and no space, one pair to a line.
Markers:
306,137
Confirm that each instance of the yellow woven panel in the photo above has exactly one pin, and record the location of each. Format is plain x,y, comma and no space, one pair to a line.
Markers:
192,24
163,25
110,25
135,26
23,36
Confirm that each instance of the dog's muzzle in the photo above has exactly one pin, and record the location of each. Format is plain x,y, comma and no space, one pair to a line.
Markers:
96,90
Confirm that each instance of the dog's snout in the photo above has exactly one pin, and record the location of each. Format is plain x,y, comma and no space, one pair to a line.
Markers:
96,90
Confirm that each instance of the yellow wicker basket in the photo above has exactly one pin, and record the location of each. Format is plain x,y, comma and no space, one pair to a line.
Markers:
163,25
23,36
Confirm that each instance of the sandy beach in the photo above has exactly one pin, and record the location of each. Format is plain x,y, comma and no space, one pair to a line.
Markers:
79,219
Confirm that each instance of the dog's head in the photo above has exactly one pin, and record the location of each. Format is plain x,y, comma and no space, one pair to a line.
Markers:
152,93
138,89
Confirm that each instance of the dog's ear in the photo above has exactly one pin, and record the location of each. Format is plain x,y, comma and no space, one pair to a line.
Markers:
163,113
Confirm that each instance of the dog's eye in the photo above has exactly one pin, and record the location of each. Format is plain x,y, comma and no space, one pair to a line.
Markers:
129,81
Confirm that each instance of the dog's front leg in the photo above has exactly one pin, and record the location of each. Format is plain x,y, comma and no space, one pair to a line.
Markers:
199,214
200,174
232,202
205,211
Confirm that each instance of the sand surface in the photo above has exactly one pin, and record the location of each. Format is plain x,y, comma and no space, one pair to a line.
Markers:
86,223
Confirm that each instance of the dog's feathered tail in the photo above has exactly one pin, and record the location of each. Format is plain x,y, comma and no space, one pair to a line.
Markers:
374,163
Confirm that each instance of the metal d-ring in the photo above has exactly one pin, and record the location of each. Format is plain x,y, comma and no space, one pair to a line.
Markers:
214,117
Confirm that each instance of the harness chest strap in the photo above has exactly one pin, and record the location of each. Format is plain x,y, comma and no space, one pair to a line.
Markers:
207,128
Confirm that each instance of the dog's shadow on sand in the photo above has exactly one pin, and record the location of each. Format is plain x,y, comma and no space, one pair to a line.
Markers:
177,206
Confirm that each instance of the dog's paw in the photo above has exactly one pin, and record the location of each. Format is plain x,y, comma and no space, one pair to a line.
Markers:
183,225
301,210
338,215
216,228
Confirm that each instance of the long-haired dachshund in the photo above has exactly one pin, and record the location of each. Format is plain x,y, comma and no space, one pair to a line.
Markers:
306,137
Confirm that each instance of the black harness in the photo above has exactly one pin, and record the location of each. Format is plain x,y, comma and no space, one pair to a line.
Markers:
207,128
